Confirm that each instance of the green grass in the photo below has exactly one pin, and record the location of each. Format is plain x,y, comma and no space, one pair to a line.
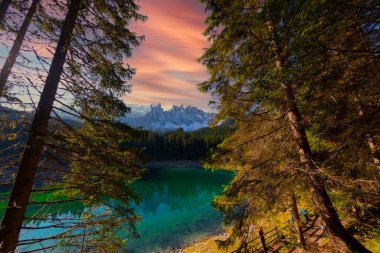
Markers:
373,240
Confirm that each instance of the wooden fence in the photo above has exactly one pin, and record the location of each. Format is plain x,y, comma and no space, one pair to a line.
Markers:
266,239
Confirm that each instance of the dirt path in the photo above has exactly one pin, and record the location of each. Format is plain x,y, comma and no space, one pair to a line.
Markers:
313,234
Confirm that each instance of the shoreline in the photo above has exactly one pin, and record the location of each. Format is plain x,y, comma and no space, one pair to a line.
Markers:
206,242
174,163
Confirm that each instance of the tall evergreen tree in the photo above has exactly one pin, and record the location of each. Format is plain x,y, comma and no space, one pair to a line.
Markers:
9,62
254,64
3,10
346,53
339,52
12,221
85,163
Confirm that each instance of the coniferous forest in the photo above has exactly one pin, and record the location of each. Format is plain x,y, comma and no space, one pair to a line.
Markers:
180,145
291,160
301,80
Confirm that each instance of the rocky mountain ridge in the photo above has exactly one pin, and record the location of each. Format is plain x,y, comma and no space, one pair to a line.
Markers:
188,118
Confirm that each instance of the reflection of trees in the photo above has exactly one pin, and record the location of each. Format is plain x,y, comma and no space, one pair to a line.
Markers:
53,211
176,188
179,188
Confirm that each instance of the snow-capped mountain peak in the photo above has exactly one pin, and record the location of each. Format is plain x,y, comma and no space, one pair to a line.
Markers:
188,118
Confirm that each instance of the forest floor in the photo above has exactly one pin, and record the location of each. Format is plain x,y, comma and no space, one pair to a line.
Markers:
313,236
315,242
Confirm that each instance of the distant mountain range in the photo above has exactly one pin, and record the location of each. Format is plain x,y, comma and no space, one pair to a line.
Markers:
152,117
155,118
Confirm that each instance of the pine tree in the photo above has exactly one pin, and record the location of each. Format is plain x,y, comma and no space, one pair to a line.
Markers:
346,53
86,161
12,220
9,62
342,107
3,10
253,62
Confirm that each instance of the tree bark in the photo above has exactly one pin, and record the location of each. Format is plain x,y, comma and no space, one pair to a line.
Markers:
342,239
9,62
297,221
3,10
374,149
370,139
12,221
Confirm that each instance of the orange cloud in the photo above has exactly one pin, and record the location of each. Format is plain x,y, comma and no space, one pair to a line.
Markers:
167,71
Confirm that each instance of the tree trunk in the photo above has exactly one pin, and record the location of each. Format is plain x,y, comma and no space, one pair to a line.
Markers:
370,139
12,221
6,70
342,239
3,11
297,221
374,149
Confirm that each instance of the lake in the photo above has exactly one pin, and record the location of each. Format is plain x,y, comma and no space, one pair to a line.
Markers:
175,208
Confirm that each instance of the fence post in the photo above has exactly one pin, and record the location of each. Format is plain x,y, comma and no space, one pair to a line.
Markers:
262,238
278,234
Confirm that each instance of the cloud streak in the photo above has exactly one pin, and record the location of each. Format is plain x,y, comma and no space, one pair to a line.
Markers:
167,71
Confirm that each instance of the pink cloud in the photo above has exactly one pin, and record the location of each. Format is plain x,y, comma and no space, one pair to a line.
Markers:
167,71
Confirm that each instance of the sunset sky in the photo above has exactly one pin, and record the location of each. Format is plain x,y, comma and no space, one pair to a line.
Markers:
167,71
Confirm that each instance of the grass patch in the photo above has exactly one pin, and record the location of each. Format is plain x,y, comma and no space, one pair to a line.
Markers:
373,240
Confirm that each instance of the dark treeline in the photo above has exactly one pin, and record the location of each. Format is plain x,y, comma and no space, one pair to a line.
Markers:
180,145
174,145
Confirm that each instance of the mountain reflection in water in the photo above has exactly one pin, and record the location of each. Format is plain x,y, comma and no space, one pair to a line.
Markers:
176,207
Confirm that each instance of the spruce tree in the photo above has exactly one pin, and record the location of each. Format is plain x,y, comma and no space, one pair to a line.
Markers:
347,73
9,62
3,11
339,51
254,60
84,161
12,221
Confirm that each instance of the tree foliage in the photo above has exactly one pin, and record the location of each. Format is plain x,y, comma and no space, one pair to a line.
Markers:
88,163
180,145
293,75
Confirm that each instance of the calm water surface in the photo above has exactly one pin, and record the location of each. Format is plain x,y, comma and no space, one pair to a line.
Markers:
175,209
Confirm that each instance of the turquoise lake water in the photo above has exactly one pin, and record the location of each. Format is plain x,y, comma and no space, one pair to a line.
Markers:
175,209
